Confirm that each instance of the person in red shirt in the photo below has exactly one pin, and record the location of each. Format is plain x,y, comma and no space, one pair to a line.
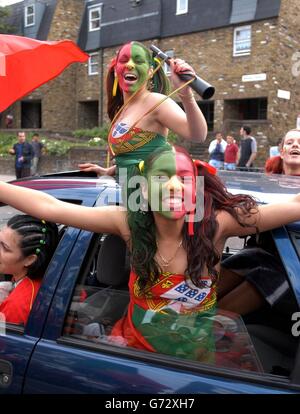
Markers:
26,247
230,155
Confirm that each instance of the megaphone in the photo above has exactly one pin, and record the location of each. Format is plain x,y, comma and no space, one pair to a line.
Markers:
203,88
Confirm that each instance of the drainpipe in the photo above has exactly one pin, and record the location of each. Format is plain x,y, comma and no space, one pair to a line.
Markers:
160,19
101,77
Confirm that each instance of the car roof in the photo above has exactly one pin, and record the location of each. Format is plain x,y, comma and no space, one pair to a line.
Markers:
264,188
71,185
69,179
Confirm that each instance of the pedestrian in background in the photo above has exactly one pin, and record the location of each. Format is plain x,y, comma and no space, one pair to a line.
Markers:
248,149
37,153
275,150
9,121
23,152
216,151
231,153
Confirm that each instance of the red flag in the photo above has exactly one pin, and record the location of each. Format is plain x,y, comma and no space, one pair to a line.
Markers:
26,64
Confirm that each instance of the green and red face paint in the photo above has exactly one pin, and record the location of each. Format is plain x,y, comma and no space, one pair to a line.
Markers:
171,184
132,67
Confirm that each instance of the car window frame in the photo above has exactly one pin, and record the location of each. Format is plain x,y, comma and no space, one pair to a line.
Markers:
101,348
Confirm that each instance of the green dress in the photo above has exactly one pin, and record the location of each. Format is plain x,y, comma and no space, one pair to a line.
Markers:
130,147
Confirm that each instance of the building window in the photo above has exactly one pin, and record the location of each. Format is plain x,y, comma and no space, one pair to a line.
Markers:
94,64
242,41
29,15
208,109
182,6
166,67
246,109
94,18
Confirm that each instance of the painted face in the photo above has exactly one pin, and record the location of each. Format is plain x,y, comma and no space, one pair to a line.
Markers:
132,67
171,185
11,258
290,152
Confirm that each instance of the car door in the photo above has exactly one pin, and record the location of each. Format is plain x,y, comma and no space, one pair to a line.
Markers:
64,363
17,344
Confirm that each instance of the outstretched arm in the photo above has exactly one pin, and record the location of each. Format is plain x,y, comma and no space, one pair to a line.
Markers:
266,217
108,219
97,169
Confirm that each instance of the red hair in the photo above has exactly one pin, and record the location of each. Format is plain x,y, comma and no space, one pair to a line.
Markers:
274,165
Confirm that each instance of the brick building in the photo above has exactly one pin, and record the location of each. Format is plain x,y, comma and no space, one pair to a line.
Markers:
248,49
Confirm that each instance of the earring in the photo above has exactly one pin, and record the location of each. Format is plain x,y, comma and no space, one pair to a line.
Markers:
115,86
150,85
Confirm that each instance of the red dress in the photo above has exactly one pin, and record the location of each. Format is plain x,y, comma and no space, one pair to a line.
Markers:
17,306
172,317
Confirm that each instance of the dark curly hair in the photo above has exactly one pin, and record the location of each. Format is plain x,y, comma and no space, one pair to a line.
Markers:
200,247
35,234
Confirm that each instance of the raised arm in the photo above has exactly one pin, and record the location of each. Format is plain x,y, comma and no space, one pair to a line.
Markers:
190,123
266,217
108,219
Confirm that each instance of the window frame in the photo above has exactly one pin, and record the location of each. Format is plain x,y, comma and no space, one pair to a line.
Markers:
98,350
180,10
27,15
236,42
96,7
92,64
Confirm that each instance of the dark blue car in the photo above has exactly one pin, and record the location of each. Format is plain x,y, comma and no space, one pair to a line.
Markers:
66,348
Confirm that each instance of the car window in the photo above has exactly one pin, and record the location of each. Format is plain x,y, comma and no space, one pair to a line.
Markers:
260,343
101,295
6,212
295,237
10,312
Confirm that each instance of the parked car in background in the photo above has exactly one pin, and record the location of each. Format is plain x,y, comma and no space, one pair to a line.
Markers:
66,348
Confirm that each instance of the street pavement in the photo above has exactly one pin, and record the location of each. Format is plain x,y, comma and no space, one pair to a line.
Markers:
6,211
4,177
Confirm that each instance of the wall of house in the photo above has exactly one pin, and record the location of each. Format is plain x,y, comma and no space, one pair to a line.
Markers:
211,55
286,67
70,161
59,95
67,100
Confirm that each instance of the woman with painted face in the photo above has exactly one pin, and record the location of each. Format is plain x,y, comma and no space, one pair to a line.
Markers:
288,162
140,112
175,255
255,276
26,247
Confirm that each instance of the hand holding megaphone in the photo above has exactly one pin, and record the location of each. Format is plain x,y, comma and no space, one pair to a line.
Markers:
203,88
